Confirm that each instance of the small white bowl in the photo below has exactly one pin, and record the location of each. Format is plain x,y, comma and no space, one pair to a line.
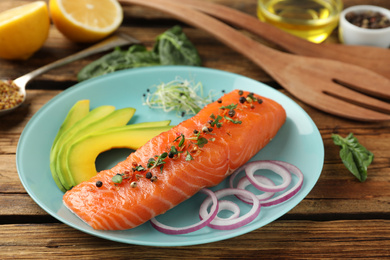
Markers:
353,35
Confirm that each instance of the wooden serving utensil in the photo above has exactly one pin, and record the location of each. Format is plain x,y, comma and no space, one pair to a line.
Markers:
312,80
374,58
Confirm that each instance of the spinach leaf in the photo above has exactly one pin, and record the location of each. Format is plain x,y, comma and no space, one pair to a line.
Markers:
174,48
135,56
354,155
171,48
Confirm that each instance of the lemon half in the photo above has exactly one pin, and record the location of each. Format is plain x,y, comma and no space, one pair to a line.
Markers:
86,20
23,30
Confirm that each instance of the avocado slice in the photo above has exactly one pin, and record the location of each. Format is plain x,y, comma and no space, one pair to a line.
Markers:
116,118
83,153
79,110
92,116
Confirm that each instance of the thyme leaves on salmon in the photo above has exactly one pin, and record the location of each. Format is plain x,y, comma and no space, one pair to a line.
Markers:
232,120
117,178
230,107
139,168
159,161
189,157
216,121
191,145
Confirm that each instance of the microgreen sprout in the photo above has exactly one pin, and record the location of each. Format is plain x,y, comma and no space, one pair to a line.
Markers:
183,96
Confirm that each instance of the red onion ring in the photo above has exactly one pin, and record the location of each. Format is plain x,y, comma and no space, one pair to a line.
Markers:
268,165
228,224
244,182
291,192
235,173
263,183
281,198
230,206
184,230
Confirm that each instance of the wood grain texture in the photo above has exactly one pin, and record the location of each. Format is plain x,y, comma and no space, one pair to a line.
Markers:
340,218
278,240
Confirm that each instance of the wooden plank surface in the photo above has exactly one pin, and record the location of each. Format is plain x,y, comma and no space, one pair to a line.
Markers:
278,240
340,218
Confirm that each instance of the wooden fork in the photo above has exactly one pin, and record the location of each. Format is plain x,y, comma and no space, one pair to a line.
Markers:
320,83
373,58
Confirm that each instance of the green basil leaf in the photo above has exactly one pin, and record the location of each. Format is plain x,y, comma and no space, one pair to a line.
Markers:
355,156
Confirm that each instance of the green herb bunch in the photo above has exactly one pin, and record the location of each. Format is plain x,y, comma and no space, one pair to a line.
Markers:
171,48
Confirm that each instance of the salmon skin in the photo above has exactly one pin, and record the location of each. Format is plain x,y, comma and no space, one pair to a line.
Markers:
173,166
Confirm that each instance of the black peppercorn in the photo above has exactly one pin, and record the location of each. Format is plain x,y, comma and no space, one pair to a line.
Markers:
242,100
231,113
148,175
99,184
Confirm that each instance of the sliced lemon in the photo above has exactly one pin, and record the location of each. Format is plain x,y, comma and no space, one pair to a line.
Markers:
86,20
23,30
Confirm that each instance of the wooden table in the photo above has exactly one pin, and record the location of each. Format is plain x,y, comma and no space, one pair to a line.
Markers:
340,218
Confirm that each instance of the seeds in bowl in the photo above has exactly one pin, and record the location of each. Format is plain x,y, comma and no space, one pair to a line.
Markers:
368,19
9,95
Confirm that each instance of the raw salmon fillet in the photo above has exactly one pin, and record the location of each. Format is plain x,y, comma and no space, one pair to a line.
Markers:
230,144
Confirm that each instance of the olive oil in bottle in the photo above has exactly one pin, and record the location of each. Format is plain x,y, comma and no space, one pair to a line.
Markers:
313,20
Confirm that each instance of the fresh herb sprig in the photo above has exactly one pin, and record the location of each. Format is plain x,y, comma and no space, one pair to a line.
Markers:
152,163
354,155
216,122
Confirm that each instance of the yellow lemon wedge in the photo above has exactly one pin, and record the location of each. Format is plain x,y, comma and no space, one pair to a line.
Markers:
23,30
86,20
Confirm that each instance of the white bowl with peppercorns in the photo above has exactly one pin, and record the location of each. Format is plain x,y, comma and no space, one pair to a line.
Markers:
365,25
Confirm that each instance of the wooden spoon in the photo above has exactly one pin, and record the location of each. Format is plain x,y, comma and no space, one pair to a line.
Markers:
374,58
312,80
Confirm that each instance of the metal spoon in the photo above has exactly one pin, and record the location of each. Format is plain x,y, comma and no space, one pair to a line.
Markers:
118,39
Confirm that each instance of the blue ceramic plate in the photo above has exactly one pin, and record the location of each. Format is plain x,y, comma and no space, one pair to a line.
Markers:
298,142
